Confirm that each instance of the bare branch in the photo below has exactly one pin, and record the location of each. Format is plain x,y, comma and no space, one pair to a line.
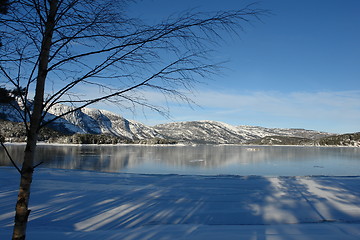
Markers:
9,156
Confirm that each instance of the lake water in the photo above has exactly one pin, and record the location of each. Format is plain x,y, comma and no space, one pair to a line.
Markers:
201,159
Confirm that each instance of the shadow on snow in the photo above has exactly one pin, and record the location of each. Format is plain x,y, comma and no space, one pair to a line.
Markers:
131,206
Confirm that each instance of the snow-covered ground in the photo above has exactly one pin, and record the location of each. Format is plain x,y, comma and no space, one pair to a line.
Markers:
70,204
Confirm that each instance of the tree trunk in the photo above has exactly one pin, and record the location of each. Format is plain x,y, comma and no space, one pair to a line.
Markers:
22,210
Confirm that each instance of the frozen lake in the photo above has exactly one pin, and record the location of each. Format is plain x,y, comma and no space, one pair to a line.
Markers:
201,159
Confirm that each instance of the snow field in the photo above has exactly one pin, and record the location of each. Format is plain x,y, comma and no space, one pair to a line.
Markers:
88,205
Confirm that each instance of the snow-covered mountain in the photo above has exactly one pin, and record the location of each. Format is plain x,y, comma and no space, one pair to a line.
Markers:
96,121
88,120
218,132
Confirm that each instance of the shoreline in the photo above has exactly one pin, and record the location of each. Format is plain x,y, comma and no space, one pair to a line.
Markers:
179,145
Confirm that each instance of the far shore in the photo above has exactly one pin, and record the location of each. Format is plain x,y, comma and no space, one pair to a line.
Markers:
180,145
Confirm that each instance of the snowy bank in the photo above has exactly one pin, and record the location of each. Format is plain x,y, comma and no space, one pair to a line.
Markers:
88,205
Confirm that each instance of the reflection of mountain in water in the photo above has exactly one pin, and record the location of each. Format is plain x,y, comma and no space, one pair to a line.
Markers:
127,157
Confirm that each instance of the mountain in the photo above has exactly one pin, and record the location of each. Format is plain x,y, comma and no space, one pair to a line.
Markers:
88,120
349,139
201,132
95,121
282,140
222,133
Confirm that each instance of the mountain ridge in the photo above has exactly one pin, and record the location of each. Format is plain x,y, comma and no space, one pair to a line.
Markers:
97,122
206,131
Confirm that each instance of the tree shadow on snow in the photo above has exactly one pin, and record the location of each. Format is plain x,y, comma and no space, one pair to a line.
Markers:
130,206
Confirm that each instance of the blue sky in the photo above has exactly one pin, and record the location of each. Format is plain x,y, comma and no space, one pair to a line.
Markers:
298,68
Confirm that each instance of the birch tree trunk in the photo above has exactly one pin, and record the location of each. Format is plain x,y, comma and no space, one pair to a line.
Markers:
22,205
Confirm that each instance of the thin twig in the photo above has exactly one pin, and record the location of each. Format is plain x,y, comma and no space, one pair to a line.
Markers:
38,164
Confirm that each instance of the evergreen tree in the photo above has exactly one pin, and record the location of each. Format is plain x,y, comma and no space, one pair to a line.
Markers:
5,95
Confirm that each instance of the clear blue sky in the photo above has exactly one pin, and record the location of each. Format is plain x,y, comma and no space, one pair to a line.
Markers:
298,68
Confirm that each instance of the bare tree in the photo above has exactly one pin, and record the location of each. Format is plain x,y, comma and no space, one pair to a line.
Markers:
54,48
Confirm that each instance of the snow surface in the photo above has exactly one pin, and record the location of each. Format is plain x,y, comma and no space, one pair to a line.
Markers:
68,204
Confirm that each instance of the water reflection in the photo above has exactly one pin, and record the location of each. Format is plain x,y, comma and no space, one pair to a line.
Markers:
202,159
